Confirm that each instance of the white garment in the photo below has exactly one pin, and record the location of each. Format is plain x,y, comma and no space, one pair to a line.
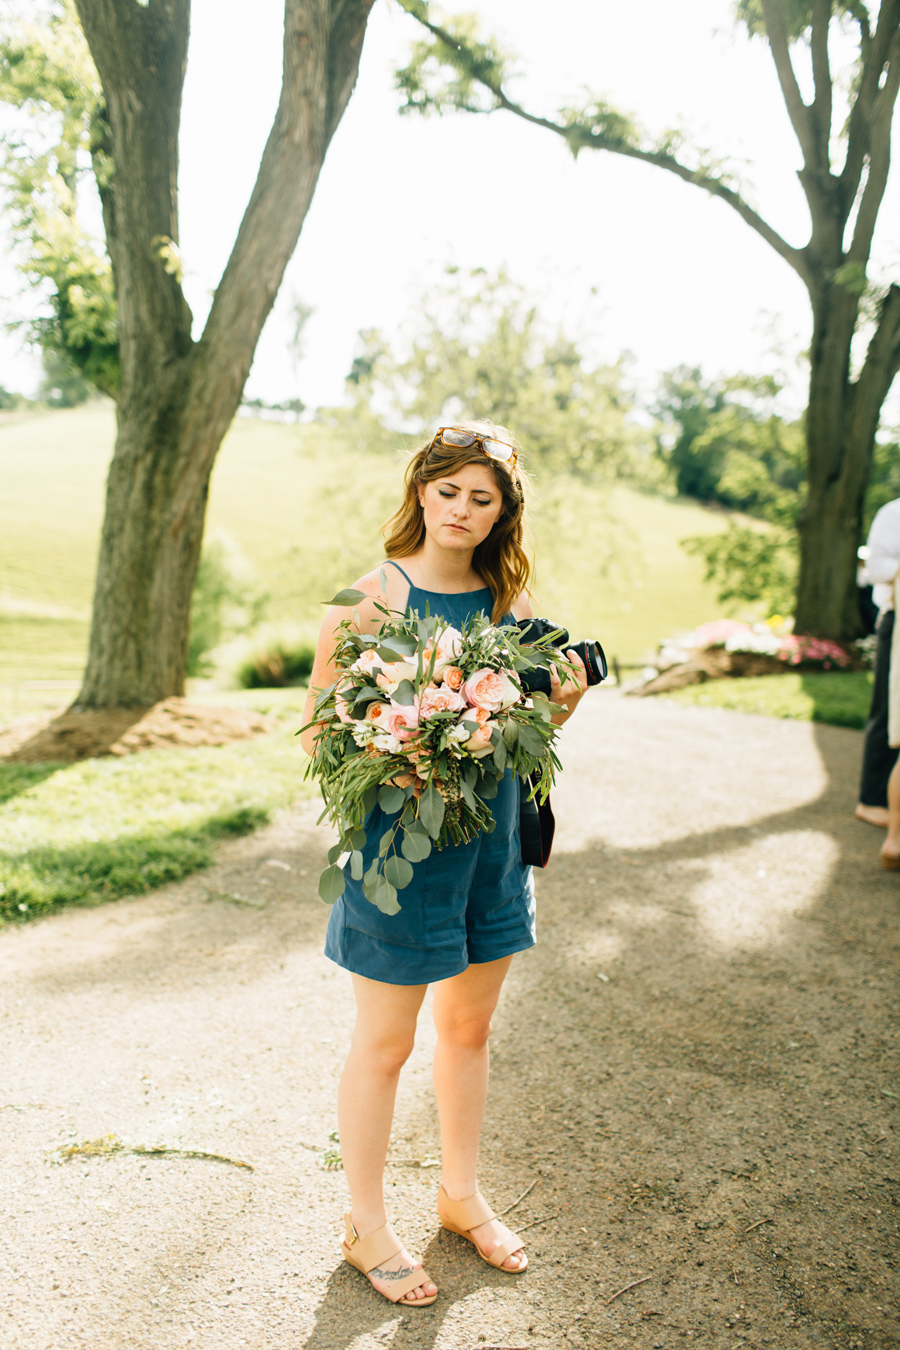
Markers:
884,554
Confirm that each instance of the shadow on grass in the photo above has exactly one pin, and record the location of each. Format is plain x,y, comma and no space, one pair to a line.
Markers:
18,778
43,879
839,698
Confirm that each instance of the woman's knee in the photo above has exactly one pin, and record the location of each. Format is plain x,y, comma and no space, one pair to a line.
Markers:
385,1053
466,1028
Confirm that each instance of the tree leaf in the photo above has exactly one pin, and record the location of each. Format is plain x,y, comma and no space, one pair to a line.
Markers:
431,810
416,847
356,865
398,871
331,884
386,897
347,598
390,799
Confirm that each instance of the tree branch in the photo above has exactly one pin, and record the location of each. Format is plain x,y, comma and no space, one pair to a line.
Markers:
322,46
798,112
579,136
879,153
879,370
822,104
875,51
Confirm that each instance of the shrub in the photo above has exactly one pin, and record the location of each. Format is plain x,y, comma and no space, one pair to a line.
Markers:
276,665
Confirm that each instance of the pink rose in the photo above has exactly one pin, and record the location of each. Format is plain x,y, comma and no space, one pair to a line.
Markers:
479,743
453,677
440,700
403,721
491,689
341,706
366,662
375,713
449,643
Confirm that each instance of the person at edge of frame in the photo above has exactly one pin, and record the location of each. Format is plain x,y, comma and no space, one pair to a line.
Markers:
882,559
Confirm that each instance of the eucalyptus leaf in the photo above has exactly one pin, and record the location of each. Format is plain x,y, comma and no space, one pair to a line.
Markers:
347,598
431,810
358,840
468,793
370,798
500,755
390,799
388,654
531,741
404,694
335,852
385,843
398,871
487,789
511,733
416,847
386,897
331,884
370,881
356,865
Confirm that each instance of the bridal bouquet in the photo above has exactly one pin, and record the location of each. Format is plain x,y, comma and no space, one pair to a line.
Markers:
424,721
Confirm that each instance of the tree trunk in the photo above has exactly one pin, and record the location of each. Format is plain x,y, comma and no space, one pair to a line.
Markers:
842,421
178,397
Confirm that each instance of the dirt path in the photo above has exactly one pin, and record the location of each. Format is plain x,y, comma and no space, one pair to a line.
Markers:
695,1067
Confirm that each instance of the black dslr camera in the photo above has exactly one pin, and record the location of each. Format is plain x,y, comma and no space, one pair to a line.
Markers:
538,679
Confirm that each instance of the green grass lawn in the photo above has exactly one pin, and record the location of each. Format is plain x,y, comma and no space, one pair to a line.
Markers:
304,508
838,697
81,833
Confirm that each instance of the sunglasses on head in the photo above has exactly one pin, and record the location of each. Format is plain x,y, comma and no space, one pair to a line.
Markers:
489,445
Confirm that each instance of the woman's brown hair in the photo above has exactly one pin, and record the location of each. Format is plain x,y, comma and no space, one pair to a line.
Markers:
501,558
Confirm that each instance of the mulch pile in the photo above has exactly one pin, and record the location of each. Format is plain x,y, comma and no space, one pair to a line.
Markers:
711,663
65,735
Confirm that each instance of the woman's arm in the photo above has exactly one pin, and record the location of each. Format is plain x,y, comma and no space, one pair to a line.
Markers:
325,671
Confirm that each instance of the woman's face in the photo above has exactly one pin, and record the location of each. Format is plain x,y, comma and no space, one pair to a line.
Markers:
461,509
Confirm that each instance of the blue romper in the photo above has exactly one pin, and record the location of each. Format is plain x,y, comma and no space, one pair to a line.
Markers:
466,903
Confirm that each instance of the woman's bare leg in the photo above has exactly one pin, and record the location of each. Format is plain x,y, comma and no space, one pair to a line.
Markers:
891,844
383,1039
463,1007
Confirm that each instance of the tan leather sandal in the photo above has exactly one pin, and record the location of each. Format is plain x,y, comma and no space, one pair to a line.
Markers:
461,1216
376,1249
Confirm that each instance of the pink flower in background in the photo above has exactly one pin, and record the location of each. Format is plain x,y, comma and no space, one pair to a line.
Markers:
491,689
440,700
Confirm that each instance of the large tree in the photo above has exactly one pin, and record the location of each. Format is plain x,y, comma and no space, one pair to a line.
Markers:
131,331
454,69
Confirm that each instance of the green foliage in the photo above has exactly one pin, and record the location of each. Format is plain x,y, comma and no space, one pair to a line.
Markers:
839,698
46,70
63,385
453,70
750,566
277,665
723,442
481,350
226,600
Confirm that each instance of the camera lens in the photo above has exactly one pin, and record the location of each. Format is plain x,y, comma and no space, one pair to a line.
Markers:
594,660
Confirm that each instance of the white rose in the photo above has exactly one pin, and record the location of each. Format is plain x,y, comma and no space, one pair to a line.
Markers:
383,740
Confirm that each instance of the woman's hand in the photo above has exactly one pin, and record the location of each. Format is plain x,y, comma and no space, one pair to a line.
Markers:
568,692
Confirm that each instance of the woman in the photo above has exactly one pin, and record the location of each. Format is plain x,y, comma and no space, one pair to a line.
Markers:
469,907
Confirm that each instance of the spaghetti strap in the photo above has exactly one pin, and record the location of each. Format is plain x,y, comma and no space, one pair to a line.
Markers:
390,561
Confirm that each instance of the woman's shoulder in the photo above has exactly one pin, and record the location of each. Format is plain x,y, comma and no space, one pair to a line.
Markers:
385,586
522,607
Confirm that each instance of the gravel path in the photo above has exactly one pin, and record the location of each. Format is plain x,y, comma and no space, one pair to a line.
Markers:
694,1073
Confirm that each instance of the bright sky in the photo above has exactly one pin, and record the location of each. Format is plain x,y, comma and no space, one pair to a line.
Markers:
678,276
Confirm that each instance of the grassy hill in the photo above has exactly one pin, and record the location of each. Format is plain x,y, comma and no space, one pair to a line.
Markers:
302,506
